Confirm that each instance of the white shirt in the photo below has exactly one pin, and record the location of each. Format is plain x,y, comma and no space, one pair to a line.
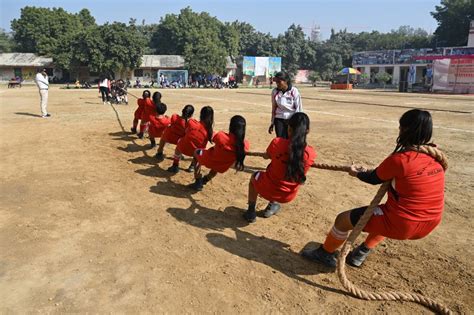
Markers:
41,81
284,105
104,83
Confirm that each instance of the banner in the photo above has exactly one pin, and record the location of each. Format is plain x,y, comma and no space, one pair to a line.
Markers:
261,66
454,75
274,65
248,66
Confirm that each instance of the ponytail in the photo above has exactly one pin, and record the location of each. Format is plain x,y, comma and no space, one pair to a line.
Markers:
237,128
299,124
207,117
187,112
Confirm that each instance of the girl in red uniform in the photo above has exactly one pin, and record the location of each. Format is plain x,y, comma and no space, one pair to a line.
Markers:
229,149
175,130
415,198
198,133
139,112
158,123
290,160
149,110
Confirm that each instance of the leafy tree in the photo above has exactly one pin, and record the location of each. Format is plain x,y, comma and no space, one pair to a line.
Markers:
6,42
453,18
49,32
107,48
294,41
383,77
196,36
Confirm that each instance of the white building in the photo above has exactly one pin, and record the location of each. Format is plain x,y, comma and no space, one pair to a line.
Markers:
24,66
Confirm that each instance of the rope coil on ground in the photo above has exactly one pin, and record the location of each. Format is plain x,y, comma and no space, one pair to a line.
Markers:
390,295
340,269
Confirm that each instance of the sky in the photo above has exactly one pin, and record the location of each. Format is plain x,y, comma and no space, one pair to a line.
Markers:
272,17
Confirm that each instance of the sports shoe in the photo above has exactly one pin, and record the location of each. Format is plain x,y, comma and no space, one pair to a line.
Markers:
159,156
197,185
133,130
271,209
321,256
358,255
46,116
190,169
250,216
173,169
140,135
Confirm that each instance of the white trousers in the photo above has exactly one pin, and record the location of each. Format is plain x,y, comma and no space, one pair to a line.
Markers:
44,101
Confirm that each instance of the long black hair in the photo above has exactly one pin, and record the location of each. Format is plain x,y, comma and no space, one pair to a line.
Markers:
237,128
187,112
416,128
148,94
299,124
161,108
207,117
156,97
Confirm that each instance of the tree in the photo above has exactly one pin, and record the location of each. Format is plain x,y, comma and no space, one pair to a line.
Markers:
6,42
294,41
453,18
108,48
383,77
49,32
198,37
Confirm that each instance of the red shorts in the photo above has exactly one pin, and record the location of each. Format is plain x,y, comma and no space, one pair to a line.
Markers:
170,137
138,113
390,225
185,147
209,160
272,191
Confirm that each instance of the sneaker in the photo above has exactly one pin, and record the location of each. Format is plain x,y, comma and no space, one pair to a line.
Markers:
140,135
190,169
159,156
358,255
250,216
321,256
133,130
173,169
271,209
46,116
197,185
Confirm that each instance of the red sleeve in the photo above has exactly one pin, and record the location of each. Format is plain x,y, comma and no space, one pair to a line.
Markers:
272,147
390,168
174,118
246,146
217,137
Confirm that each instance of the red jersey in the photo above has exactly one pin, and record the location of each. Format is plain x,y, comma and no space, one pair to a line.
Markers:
158,125
416,192
272,184
139,111
196,137
149,109
221,156
175,130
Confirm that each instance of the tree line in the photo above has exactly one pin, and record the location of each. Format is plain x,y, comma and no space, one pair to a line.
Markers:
74,40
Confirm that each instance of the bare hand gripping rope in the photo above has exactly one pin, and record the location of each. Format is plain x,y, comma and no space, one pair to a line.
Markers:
340,269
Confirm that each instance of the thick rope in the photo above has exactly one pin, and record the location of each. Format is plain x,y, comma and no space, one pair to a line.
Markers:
348,285
389,295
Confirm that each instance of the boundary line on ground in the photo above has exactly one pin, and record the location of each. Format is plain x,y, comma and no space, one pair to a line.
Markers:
324,112
371,104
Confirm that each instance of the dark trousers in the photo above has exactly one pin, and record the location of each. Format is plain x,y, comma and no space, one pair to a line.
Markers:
104,91
281,127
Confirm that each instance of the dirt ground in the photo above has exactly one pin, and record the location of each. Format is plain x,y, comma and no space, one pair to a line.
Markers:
89,222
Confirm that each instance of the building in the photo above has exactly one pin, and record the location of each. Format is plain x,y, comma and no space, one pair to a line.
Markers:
398,62
470,39
24,65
